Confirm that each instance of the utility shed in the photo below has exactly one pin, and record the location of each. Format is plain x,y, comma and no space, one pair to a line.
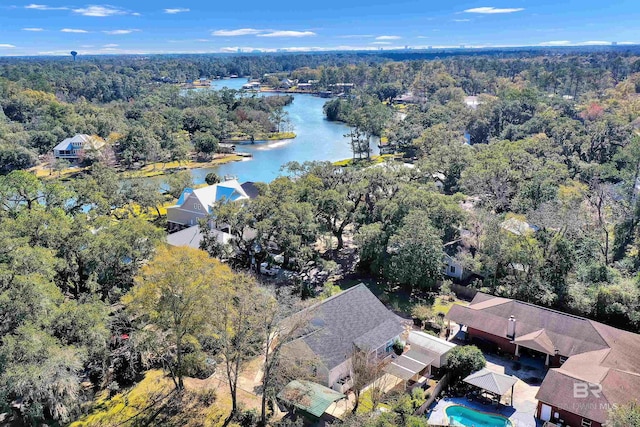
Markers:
435,347
311,398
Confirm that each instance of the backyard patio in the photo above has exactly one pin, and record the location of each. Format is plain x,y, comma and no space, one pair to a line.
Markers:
522,413
438,417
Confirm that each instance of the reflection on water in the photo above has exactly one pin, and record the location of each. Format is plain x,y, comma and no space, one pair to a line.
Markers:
317,139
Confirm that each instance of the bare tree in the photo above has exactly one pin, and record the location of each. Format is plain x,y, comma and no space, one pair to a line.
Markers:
240,311
280,327
606,210
378,387
364,370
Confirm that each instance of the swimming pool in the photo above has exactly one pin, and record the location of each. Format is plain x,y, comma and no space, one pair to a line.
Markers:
466,417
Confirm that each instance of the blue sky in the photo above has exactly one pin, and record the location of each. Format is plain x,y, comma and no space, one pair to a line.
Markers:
57,26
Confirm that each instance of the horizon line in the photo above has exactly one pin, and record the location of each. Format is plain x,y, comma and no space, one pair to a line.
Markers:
316,50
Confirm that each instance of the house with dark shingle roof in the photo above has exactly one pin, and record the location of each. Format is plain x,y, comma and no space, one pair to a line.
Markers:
353,319
594,367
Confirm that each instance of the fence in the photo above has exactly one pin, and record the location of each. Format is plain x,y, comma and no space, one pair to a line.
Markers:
463,291
434,394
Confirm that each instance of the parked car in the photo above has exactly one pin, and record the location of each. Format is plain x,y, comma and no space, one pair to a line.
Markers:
269,270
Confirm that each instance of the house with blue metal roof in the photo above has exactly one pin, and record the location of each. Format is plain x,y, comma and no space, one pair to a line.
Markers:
195,204
71,148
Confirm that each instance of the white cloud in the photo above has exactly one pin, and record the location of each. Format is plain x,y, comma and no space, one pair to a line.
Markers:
33,29
6,46
177,10
627,43
262,33
356,36
492,10
288,33
556,43
229,49
461,20
111,45
120,32
100,11
381,43
595,43
235,33
73,30
202,40
243,49
388,38
44,7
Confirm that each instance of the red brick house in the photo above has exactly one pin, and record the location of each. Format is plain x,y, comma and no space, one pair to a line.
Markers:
593,366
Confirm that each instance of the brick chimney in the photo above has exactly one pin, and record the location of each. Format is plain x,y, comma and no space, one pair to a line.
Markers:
511,327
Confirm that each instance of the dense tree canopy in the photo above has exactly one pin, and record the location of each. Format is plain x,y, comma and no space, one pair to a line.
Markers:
532,185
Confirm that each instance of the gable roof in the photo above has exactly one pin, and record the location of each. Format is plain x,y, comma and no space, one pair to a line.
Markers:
250,189
597,353
518,227
192,237
538,340
310,397
209,195
82,139
618,387
568,333
354,317
429,342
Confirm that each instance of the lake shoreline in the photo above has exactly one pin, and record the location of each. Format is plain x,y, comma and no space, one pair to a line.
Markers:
147,171
274,136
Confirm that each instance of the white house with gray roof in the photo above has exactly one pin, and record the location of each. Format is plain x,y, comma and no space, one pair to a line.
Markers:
196,204
352,319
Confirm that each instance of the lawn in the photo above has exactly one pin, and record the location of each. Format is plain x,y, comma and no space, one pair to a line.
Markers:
398,299
366,405
43,171
441,306
153,402
147,171
157,169
271,136
375,159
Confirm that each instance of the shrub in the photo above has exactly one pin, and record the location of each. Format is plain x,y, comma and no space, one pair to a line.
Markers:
417,397
212,178
398,347
463,360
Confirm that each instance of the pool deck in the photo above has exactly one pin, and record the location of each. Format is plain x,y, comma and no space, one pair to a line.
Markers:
437,415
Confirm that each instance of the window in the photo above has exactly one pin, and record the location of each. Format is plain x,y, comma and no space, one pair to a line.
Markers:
562,359
196,206
452,269
586,423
